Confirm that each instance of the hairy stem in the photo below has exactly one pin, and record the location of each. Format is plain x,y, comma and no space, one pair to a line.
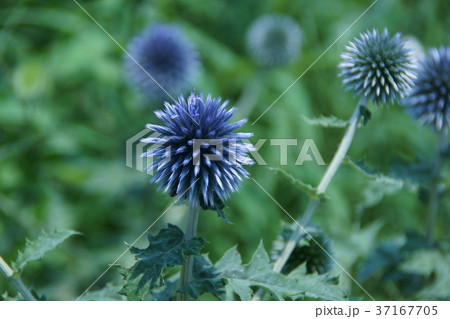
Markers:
433,201
15,281
324,182
191,231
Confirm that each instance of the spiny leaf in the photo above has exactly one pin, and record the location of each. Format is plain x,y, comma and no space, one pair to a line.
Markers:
386,257
167,249
327,121
107,293
309,189
259,273
417,172
322,287
372,174
168,291
206,279
35,250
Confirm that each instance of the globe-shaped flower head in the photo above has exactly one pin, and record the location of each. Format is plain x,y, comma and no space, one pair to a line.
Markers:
430,97
377,67
166,55
274,39
197,156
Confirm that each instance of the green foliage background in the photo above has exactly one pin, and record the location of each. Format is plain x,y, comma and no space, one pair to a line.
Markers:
66,112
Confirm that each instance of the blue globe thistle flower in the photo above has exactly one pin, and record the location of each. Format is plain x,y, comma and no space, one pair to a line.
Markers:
307,251
274,39
430,97
197,157
377,67
166,54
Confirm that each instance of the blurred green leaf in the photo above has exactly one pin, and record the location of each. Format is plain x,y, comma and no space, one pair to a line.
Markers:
35,250
431,263
309,189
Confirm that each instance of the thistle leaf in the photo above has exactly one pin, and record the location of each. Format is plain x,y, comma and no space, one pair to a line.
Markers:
309,189
372,174
107,293
433,264
258,273
320,287
166,292
35,250
167,249
206,279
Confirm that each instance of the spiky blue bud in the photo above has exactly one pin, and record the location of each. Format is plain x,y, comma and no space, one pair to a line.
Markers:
274,39
197,156
377,67
166,54
430,97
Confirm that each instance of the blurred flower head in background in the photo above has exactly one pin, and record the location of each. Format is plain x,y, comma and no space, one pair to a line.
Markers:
166,54
274,39
430,98
415,47
377,67
187,171
314,252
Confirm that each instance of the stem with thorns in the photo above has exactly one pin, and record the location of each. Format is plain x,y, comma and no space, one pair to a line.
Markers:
191,231
15,280
433,202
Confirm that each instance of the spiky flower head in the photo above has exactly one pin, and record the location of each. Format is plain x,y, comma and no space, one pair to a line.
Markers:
274,39
165,54
311,251
377,67
197,156
430,97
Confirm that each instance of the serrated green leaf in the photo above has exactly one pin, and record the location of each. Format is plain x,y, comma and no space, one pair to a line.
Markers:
372,174
259,273
167,249
327,121
168,291
431,262
35,250
384,256
309,189
316,286
206,279
417,172
107,293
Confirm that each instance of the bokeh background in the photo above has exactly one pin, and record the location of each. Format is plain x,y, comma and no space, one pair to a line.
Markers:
66,111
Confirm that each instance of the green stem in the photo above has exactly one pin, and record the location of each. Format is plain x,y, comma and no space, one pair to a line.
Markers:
433,201
15,281
324,182
191,231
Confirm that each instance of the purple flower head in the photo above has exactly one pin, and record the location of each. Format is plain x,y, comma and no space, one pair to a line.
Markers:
198,156
377,66
166,54
430,98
